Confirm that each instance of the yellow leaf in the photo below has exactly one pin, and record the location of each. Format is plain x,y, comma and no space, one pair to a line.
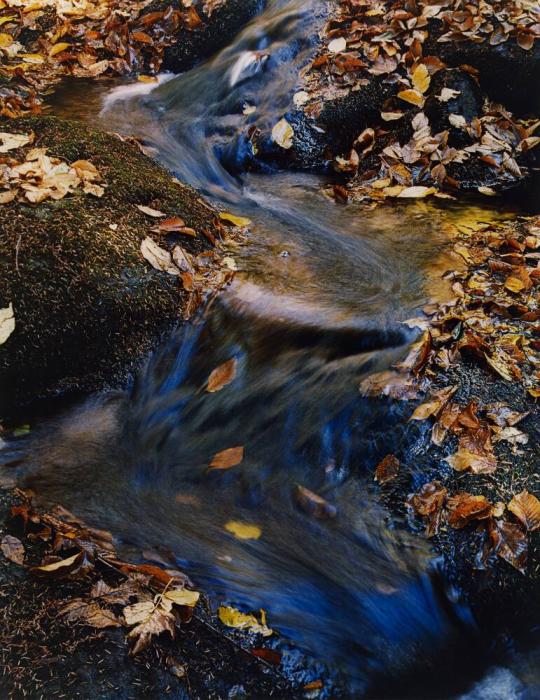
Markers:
283,133
243,531
147,79
5,20
58,48
236,220
221,376
412,96
416,192
514,284
32,57
5,40
241,621
420,78
181,596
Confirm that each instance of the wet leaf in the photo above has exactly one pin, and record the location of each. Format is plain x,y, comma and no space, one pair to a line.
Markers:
313,504
233,219
509,542
222,376
463,508
228,458
231,617
432,407
243,531
526,507
270,655
387,469
428,502
7,323
182,596
13,549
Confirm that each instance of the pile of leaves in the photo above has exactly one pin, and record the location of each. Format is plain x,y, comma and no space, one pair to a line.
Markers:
43,40
40,176
146,599
392,43
492,321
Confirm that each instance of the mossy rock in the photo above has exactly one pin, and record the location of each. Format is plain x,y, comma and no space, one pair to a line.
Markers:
87,305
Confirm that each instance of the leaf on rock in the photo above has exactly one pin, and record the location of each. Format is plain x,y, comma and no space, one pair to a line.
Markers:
13,549
387,469
233,219
158,257
243,531
182,596
463,508
154,213
228,458
9,142
412,97
222,376
150,620
421,79
432,407
337,45
428,503
89,613
231,617
509,541
283,134
526,507
61,568
464,459
7,323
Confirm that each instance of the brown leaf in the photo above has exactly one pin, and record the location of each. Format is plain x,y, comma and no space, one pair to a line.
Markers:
526,507
89,613
228,458
270,655
509,542
314,504
432,407
13,549
222,376
464,508
428,503
150,621
387,469
62,568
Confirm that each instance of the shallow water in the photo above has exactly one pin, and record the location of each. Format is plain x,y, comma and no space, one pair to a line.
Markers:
319,301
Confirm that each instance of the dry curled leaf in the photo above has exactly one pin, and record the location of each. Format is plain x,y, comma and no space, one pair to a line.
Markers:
158,257
89,613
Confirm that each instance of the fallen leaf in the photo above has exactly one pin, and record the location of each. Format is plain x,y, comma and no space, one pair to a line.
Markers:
243,531
337,45
463,508
89,613
154,213
417,192
526,507
420,78
231,617
464,459
387,469
283,134
412,96
9,142
13,549
313,504
233,219
7,323
182,596
228,458
509,542
150,620
428,502
61,568
222,376
432,407
158,257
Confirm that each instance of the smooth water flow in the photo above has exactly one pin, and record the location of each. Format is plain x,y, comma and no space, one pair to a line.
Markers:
318,302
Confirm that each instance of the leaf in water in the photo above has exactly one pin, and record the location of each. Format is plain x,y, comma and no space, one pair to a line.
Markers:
222,376
158,257
463,508
89,613
182,596
457,120
526,507
231,617
7,323
233,219
314,504
387,469
9,142
154,213
13,549
283,134
243,531
228,458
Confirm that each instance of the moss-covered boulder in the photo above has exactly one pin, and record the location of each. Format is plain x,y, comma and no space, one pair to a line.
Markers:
87,304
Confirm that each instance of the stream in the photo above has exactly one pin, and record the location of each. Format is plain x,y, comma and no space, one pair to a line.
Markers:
319,301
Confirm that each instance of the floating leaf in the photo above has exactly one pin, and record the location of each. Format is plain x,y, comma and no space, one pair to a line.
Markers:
233,219
222,376
313,504
243,531
227,458
231,617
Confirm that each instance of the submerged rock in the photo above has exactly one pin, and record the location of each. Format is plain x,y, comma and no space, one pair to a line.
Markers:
87,304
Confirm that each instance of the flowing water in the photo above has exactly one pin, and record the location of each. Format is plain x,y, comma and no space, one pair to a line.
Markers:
319,301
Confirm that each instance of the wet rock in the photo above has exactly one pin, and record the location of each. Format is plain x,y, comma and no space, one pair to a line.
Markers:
216,29
87,305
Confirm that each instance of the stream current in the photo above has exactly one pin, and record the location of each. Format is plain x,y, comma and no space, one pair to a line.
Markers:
319,301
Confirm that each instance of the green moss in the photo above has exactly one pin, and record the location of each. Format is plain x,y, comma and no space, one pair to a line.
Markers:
87,304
